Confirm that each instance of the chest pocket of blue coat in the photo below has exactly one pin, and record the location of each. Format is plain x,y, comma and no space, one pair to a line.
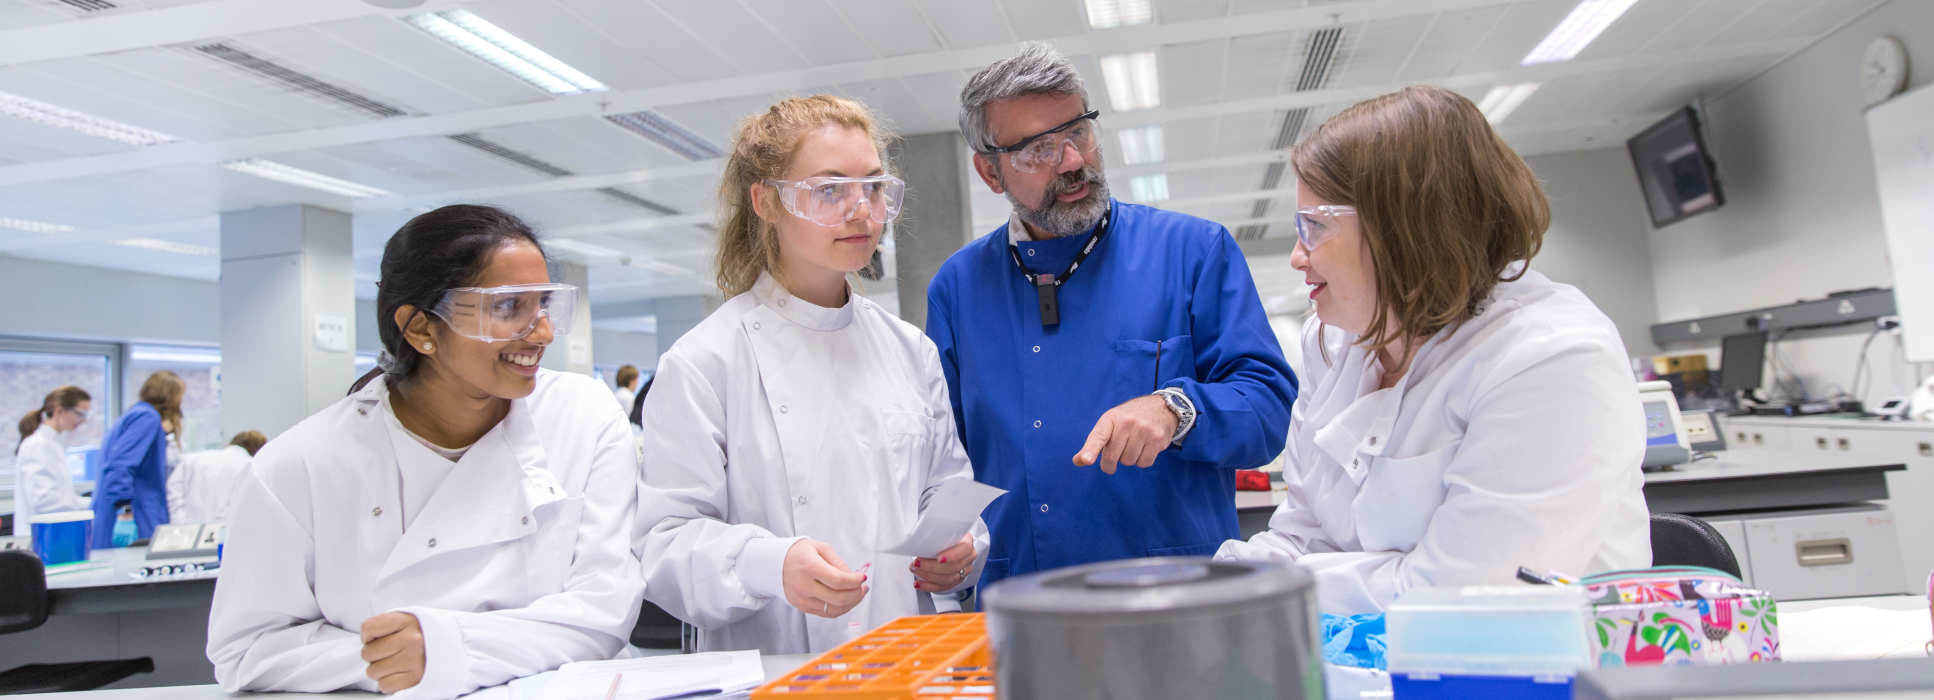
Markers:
1142,366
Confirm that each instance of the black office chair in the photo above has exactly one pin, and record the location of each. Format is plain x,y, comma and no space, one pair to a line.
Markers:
657,629
1688,541
23,606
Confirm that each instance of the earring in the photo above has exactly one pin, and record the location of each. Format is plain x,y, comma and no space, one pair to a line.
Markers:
429,346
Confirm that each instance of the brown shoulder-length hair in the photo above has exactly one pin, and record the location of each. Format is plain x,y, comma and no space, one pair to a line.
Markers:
762,149
163,390
1444,204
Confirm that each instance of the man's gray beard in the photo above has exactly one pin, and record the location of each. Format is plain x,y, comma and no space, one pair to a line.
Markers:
1062,219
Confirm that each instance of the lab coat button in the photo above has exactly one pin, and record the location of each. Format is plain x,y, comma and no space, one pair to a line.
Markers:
782,408
1373,441
801,500
755,325
376,512
433,543
1044,507
1037,424
1037,348
1030,253
526,520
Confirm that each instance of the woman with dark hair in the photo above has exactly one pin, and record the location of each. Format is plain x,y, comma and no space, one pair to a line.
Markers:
43,483
134,460
458,520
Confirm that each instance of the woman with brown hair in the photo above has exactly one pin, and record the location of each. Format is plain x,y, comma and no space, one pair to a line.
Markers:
795,435
134,460
43,483
1462,415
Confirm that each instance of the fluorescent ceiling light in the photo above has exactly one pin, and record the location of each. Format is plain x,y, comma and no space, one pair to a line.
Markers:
61,117
31,226
175,354
658,129
1149,188
1103,14
1131,79
1586,21
1503,99
169,247
1141,145
587,252
504,50
278,172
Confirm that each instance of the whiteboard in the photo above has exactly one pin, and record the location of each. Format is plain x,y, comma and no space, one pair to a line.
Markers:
1902,134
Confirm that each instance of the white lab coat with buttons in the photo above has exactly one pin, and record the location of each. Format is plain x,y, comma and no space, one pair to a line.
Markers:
1514,440
201,487
43,484
775,419
518,561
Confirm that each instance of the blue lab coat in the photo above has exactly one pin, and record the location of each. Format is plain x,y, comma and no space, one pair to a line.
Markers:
134,467
1165,300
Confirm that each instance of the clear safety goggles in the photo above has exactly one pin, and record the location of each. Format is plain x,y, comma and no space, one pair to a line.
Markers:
511,312
1317,224
832,201
1045,150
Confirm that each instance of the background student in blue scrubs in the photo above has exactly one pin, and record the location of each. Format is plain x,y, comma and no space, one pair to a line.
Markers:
134,464
1088,333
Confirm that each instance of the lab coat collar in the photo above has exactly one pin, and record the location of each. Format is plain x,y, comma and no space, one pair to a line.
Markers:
47,432
505,473
1361,431
800,312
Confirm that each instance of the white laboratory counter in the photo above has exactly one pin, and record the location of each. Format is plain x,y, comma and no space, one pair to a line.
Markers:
1813,630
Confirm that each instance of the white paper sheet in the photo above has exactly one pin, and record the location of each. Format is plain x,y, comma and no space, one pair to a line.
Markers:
730,672
950,514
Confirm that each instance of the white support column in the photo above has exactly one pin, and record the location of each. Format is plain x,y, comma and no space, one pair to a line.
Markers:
288,315
572,353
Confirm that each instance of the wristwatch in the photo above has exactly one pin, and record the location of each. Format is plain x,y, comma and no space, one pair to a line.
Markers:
1184,410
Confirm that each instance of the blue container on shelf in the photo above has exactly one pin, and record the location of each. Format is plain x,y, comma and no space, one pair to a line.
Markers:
62,538
1503,642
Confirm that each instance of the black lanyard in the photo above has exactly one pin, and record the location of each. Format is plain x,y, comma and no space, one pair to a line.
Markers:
1045,286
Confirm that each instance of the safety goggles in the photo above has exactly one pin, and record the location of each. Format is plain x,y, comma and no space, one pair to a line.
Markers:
1044,151
1317,224
502,314
832,201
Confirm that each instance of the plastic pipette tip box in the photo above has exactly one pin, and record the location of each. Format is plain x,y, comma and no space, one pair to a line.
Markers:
920,657
1488,641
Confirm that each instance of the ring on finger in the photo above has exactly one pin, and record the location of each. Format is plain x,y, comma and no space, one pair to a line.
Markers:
825,607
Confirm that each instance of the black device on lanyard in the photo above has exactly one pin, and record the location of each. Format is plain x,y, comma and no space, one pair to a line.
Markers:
1047,286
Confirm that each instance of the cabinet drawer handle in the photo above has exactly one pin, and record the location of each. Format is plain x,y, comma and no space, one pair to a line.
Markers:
1820,442
1927,449
1845,444
1758,438
1828,552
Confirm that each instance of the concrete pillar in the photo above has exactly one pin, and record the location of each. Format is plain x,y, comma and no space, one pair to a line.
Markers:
676,315
572,353
937,218
288,315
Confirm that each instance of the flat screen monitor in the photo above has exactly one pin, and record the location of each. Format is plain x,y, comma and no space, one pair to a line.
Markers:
1742,364
1675,170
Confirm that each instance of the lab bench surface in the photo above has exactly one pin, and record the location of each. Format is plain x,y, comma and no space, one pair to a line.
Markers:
113,588
1763,478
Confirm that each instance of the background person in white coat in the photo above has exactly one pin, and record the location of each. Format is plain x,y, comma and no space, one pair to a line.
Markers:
796,432
455,523
42,483
201,488
1461,416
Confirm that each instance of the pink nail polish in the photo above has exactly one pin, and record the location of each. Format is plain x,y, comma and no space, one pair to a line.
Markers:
916,563
943,558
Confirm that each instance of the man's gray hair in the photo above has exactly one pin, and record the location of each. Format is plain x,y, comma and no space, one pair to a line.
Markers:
1037,70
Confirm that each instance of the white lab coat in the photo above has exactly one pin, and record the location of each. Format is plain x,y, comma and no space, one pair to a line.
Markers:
201,486
1514,440
43,484
775,419
518,561
625,397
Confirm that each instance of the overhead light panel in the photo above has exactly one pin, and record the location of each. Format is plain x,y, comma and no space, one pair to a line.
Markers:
585,252
1132,82
1586,21
271,170
61,117
1104,14
1141,145
1149,188
157,244
1503,99
659,129
31,226
500,48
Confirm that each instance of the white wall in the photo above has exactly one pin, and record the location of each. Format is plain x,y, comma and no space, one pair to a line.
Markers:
1598,238
1802,216
614,348
55,300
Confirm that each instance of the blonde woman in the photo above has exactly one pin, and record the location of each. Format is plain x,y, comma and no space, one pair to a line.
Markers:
1462,414
134,460
794,433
